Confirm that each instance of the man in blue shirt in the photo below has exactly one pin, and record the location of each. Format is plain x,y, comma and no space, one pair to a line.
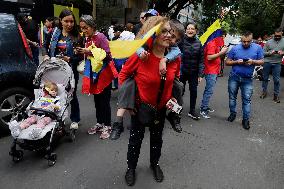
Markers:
243,58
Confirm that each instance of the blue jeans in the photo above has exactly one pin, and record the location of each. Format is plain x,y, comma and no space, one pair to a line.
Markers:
245,84
276,70
211,80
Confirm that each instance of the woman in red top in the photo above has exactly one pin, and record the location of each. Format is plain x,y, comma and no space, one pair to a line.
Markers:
148,79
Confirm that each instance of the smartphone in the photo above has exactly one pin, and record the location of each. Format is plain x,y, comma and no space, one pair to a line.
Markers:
173,106
245,60
76,44
59,56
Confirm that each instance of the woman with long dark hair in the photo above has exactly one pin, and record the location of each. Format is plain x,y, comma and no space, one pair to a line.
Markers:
61,45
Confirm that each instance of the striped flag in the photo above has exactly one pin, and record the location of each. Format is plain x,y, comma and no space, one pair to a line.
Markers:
214,32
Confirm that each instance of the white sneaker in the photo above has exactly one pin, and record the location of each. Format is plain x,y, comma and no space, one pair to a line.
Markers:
205,114
74,125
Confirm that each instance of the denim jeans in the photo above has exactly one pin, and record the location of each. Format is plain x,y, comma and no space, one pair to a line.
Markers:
245,84
211,80
276,69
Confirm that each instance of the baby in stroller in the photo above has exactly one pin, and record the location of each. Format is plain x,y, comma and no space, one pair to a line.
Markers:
49,101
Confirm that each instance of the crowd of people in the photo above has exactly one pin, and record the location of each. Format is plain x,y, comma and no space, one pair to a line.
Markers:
156,74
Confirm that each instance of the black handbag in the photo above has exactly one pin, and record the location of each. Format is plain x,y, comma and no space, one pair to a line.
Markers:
148,114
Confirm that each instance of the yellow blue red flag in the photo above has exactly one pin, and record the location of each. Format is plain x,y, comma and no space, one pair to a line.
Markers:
123,49
213,32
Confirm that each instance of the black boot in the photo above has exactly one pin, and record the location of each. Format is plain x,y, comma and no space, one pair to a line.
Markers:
157,173
245,124
130,177
174,120
117,129
232,117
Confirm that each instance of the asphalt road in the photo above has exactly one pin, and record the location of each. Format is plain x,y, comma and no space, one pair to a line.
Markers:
208,154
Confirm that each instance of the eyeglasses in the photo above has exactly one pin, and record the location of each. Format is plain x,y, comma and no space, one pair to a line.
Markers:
166,32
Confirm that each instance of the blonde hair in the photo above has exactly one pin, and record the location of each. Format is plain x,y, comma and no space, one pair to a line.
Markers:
50,86
150,23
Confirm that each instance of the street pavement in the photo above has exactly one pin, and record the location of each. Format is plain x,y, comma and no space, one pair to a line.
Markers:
208,154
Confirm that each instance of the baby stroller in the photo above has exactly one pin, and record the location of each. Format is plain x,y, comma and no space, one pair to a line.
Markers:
59,72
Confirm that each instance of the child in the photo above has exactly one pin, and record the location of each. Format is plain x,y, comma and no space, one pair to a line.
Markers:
126,95
50,102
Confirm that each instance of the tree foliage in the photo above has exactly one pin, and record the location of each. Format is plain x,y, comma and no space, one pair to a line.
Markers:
260,17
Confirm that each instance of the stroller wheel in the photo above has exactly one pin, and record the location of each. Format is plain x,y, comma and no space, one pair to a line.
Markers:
17,155
52,159
72,135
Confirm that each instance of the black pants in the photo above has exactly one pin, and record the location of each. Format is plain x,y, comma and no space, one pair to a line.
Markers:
102,104
136,137
192,79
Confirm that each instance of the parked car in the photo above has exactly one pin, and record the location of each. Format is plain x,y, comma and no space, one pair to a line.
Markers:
17,71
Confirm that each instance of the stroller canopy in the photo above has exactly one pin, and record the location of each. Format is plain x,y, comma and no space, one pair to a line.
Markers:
57,71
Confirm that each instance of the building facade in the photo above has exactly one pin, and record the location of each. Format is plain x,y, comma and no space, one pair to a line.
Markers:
189,14
121,11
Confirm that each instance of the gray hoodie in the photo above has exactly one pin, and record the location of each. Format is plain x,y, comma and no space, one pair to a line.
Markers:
276,46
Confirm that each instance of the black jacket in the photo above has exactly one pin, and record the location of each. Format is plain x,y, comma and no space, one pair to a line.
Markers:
192,56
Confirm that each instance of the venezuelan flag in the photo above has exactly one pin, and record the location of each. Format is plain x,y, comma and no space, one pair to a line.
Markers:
214,32
95,83
123,49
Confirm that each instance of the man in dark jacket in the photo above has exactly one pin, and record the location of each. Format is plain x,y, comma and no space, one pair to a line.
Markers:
192,65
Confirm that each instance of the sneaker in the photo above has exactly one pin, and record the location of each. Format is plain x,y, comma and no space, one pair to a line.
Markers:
205,114
210,110
105,132
276,98
263,95
97,128
193,115
231,117
74,125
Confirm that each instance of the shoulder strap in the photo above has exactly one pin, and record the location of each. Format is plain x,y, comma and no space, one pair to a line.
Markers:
161,89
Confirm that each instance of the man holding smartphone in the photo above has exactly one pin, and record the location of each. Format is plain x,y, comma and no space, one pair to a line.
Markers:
273,52
243,58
